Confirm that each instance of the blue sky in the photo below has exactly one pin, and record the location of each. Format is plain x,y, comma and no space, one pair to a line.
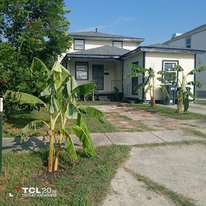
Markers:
153,20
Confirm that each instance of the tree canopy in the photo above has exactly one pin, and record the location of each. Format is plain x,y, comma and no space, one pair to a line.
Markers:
35,28
30,29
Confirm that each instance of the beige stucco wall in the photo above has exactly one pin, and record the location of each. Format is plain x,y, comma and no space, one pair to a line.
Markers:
91,44
111,67
127,81
155,59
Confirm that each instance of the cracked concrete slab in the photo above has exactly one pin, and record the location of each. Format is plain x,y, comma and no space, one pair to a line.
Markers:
127,191
35,143
132,138
181,169
174,135
202,130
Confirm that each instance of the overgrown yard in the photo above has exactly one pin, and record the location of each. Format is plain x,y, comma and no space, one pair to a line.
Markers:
80,183
86,181
21,118
166,111
117,121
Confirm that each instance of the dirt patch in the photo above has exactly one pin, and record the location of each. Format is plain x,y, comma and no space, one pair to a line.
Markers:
140,120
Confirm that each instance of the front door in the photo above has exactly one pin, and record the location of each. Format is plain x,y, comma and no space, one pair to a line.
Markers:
98,76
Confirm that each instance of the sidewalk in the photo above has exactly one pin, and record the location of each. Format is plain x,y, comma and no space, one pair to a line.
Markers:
99,139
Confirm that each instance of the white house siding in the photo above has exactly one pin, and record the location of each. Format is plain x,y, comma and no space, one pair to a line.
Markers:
198,41
127,81
111,67
91,44
117,76
155,60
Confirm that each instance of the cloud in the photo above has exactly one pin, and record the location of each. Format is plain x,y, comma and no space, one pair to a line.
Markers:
118,21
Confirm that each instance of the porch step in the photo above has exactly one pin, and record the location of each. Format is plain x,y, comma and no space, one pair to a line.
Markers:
131,100
104,98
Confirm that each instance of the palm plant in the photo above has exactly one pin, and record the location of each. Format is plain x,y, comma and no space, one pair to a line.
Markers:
62,91
183,93
150,83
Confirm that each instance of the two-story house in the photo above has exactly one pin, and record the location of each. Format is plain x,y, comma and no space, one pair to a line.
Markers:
103,58
194,39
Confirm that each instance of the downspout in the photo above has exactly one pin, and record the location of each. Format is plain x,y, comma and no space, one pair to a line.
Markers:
194,75
143,65
122,62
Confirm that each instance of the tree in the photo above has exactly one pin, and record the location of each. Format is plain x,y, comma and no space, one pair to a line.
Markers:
183,93
35,28
29,29
150,83
62,91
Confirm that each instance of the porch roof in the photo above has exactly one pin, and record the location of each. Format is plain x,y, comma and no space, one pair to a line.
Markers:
164,48
104,52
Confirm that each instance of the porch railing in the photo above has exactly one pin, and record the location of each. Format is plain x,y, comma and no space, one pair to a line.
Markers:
127,90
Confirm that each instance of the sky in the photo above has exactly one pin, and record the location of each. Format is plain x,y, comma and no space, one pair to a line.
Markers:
154,20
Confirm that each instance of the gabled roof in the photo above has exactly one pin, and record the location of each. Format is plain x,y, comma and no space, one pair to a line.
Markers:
110,52
164,48
103,36
189,33
115,53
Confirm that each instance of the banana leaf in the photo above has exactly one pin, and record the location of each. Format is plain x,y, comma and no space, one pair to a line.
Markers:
164,92
178,68
72,112
81,131
60,74
38,66
23,98
195,83
151,73
69,144
137,68
186,104
198,69
48,90
93,112
32,125
84,89
169,74
140,86
162,80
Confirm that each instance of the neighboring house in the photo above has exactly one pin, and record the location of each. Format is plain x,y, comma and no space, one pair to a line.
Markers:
194,39
103,58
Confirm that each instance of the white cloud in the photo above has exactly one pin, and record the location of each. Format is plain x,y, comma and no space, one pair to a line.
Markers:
118,21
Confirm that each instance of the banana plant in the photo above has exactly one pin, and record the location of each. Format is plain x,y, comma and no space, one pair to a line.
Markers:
150,84
183,93
62,91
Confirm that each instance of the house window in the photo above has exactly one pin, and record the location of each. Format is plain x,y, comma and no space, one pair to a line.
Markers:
134,82
81,71
118,44
169,66
79,44
188,42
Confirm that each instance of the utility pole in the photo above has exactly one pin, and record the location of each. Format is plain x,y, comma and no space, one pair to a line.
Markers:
1,121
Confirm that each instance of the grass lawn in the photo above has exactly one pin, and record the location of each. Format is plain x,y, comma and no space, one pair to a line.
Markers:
166,111
81,183
21,118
